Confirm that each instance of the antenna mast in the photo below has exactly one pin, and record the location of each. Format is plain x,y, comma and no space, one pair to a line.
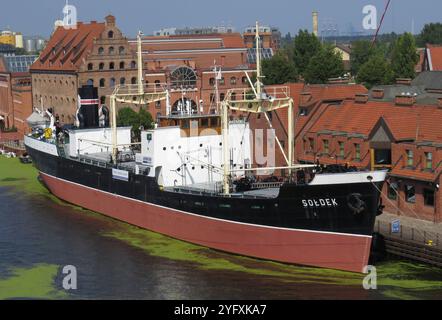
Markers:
258,63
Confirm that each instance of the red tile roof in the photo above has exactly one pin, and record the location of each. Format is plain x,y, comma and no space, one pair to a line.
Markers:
335,91
67,47
420,123
436,57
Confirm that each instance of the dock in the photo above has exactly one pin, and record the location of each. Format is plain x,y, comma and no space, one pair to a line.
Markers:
411,239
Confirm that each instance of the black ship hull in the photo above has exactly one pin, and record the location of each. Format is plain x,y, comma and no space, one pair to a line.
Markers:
322,225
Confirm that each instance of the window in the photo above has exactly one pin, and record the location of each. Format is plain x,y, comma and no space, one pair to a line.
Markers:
133,64
429,197
100,50
222,96
341,149
90,66
357,152
244,80
123,81
222,81
212,98
112,82
122,65
429,160
90,82
103,100
111,66
157,83
233,81
158,104
133,80
233,97
311,143
101,66
183,77
325,144
110,34
102,83
410,193
212,81
111,50
303,111
392,191
121,50
410,160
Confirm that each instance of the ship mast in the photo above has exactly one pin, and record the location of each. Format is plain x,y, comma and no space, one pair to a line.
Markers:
139,94
262,103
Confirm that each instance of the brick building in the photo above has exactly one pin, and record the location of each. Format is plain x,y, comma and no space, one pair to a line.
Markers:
15,92
98,54
186,64
91,54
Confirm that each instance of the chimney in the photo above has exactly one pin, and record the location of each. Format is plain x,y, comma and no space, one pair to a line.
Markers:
405,100
361,98
315,23
377,93
404,81
305,98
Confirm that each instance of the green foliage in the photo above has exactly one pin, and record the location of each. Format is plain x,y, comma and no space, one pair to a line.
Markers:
129,118
375,71
279,69
325,64
305,46
430,34
404,57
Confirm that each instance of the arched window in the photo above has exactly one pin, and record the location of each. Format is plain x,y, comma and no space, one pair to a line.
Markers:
121,50
112,82
111,50
222,96
222,81
103,100
102,83
133,80
122,65
212,81
233,96
90,66
101,66
112,66
123,81
233,81
90,82
100,50
183,77
133,64
244,80
110,34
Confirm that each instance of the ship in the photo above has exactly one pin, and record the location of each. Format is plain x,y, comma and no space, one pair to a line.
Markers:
192,178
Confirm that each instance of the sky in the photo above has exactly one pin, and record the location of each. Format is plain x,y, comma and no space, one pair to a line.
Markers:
36,17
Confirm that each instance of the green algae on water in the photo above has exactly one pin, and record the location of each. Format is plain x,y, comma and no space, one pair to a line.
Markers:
36,282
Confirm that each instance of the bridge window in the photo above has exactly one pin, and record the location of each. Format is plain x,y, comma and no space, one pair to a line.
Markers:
183,77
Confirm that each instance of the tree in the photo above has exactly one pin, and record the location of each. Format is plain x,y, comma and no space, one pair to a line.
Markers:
363,50
279,69
375,71
430,34
305,46
404,57
129,118
325,64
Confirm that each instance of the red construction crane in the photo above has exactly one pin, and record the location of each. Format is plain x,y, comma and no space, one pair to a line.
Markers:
380,24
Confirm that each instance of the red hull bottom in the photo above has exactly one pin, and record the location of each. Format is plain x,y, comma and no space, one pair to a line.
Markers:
311,248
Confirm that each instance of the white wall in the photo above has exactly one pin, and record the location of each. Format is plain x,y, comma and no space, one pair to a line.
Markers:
101,135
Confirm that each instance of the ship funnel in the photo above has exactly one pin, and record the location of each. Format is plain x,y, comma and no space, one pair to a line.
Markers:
88,107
